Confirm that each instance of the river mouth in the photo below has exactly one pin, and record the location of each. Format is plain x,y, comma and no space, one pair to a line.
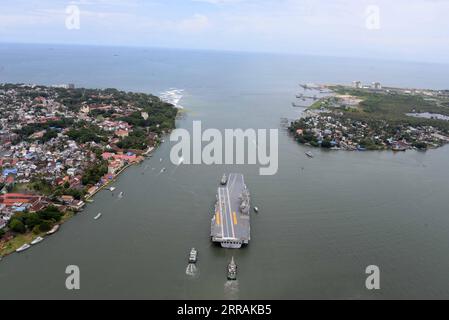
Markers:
322,221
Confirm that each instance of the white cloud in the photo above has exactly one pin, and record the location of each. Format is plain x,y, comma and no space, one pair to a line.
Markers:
417,27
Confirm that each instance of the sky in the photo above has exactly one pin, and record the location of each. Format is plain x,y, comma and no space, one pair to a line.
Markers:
416,30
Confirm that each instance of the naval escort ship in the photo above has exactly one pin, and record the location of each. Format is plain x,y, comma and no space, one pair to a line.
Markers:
230,225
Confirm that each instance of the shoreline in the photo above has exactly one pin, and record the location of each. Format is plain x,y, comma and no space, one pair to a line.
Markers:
9,247
361,118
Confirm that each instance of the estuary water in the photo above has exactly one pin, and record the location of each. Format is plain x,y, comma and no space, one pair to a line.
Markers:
322,221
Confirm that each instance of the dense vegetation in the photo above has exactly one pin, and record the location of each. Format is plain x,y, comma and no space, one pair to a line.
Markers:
94,173
161,114
41,221
393,107
87,133
52,128
136,140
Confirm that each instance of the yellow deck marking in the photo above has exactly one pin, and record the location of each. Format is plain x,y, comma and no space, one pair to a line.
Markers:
217,218
235,218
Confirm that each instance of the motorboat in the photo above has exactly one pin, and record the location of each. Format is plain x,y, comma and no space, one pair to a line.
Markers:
309,154
224,180
23,248
37,240
53,230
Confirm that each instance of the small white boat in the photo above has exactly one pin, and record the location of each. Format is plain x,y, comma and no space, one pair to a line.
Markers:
120,195
53,230
160,160
37,240
224,180
23,248
193,257
98,216
112,189
309,154
256,209
163,170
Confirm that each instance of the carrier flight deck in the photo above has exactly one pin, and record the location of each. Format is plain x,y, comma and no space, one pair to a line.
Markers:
230,225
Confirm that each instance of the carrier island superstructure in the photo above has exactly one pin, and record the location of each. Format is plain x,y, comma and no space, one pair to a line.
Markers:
230,225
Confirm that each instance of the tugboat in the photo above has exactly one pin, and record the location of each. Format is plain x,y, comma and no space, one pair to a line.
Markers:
37,240
232,270
193,257
224,180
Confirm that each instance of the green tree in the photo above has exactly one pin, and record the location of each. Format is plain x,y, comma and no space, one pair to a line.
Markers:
36,229
17,226
45,226
326,144
50,213
420,145
32,220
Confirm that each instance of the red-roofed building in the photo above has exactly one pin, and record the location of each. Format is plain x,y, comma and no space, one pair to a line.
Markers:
36,202
125,157
121,133
115,166
9,179
107,155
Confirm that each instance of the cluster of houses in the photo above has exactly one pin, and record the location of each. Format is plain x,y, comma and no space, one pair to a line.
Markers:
59,160
50,161
347,134
12,203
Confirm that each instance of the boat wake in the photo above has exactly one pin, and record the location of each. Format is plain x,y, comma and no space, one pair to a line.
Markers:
173,96
231,290
192,270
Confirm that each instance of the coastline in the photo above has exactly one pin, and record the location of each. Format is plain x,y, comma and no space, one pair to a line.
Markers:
372,118
9,247
83,156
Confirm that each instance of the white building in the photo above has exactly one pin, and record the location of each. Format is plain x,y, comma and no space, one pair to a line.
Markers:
376,86
357,84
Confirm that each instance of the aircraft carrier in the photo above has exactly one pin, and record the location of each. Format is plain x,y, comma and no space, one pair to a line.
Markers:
230,225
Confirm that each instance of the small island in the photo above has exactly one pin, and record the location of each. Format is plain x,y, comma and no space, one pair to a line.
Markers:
373,117
60,145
